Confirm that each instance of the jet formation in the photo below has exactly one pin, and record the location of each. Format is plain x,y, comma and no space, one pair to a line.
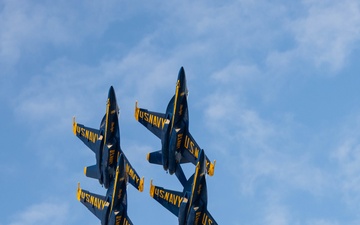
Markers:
190,205
177,147
113,170
112,208
172,127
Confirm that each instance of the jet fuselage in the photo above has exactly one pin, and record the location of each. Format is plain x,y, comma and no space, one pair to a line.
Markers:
179,124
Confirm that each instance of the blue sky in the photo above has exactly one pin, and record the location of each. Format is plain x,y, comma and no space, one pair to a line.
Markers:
273,92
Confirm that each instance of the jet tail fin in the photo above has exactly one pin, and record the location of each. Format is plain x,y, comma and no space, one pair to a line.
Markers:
92,171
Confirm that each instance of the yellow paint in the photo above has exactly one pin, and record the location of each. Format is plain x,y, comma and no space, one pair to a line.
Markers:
89,135
126,222
195,151
156,121
206,220
74,125
115,184
181,109
191,147
92,200
194,184
197,217
78,192
118,220
167,196
141,185
178,140
136,114
152,189
211,168
106,119
112,127
175,102
132,174
111,156
85,168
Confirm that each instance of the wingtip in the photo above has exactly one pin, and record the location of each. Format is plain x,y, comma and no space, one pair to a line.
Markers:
74,125
212,168
78,193
85,168
136,114
148,157
141,185
152,188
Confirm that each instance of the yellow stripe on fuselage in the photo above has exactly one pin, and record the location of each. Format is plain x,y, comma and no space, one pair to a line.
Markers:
106,121
115,184
175,102
194,184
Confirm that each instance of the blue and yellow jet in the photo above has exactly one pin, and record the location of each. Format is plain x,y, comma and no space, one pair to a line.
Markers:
112,208
105,143
178,146
190,206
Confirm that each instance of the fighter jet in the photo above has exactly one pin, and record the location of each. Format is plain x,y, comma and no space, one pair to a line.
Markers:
112,208
105,143
190,206
178,146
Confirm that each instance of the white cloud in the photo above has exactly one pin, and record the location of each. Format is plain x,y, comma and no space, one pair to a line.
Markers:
223,44
30,29
323,222
324,37
42,213
24,24
260,149
276,214
347,158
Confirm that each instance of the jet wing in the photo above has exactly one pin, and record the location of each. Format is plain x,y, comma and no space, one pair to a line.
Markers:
207,219
133,176
153,121
168,198
97,204
119,219
126,221
191,153
90,136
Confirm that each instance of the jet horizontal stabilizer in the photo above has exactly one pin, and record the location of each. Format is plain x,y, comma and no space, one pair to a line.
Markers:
155,157
92,171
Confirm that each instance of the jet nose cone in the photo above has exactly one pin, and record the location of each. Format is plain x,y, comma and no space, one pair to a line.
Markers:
112,99
182,80
111,94
181,76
